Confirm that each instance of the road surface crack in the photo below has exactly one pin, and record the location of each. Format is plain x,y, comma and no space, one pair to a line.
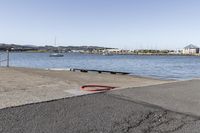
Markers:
151,122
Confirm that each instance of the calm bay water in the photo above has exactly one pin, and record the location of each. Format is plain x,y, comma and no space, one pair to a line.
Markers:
162,67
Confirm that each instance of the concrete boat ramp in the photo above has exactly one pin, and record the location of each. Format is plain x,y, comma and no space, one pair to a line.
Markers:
38,103
19,86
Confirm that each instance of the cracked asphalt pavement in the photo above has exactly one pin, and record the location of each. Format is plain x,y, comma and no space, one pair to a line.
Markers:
96,113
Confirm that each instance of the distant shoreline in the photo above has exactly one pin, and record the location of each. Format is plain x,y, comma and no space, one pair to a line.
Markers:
139,54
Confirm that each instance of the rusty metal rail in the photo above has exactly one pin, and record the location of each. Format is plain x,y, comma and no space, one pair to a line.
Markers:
99,71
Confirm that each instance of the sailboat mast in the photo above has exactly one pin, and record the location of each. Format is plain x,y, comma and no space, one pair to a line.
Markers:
55,41
56,50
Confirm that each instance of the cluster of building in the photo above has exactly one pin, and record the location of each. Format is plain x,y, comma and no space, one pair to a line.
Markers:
188,50
112,51
191,50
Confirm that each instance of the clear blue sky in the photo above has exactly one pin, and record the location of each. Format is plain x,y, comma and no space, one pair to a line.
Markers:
129,24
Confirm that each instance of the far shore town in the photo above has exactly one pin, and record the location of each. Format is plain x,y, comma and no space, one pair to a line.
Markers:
188,50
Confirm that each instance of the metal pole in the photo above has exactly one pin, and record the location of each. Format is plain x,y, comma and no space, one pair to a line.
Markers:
8,58
0,59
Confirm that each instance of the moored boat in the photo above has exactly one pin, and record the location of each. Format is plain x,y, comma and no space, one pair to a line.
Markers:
56,55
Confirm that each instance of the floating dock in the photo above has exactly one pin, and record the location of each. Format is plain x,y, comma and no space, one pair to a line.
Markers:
98,71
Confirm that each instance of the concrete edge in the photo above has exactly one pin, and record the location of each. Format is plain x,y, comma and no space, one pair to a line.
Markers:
129,75
159,84
48,101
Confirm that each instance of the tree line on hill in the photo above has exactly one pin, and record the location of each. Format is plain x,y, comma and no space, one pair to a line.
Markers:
33,48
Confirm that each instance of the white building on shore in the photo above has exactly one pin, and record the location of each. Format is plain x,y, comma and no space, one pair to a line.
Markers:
191,49
116,51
